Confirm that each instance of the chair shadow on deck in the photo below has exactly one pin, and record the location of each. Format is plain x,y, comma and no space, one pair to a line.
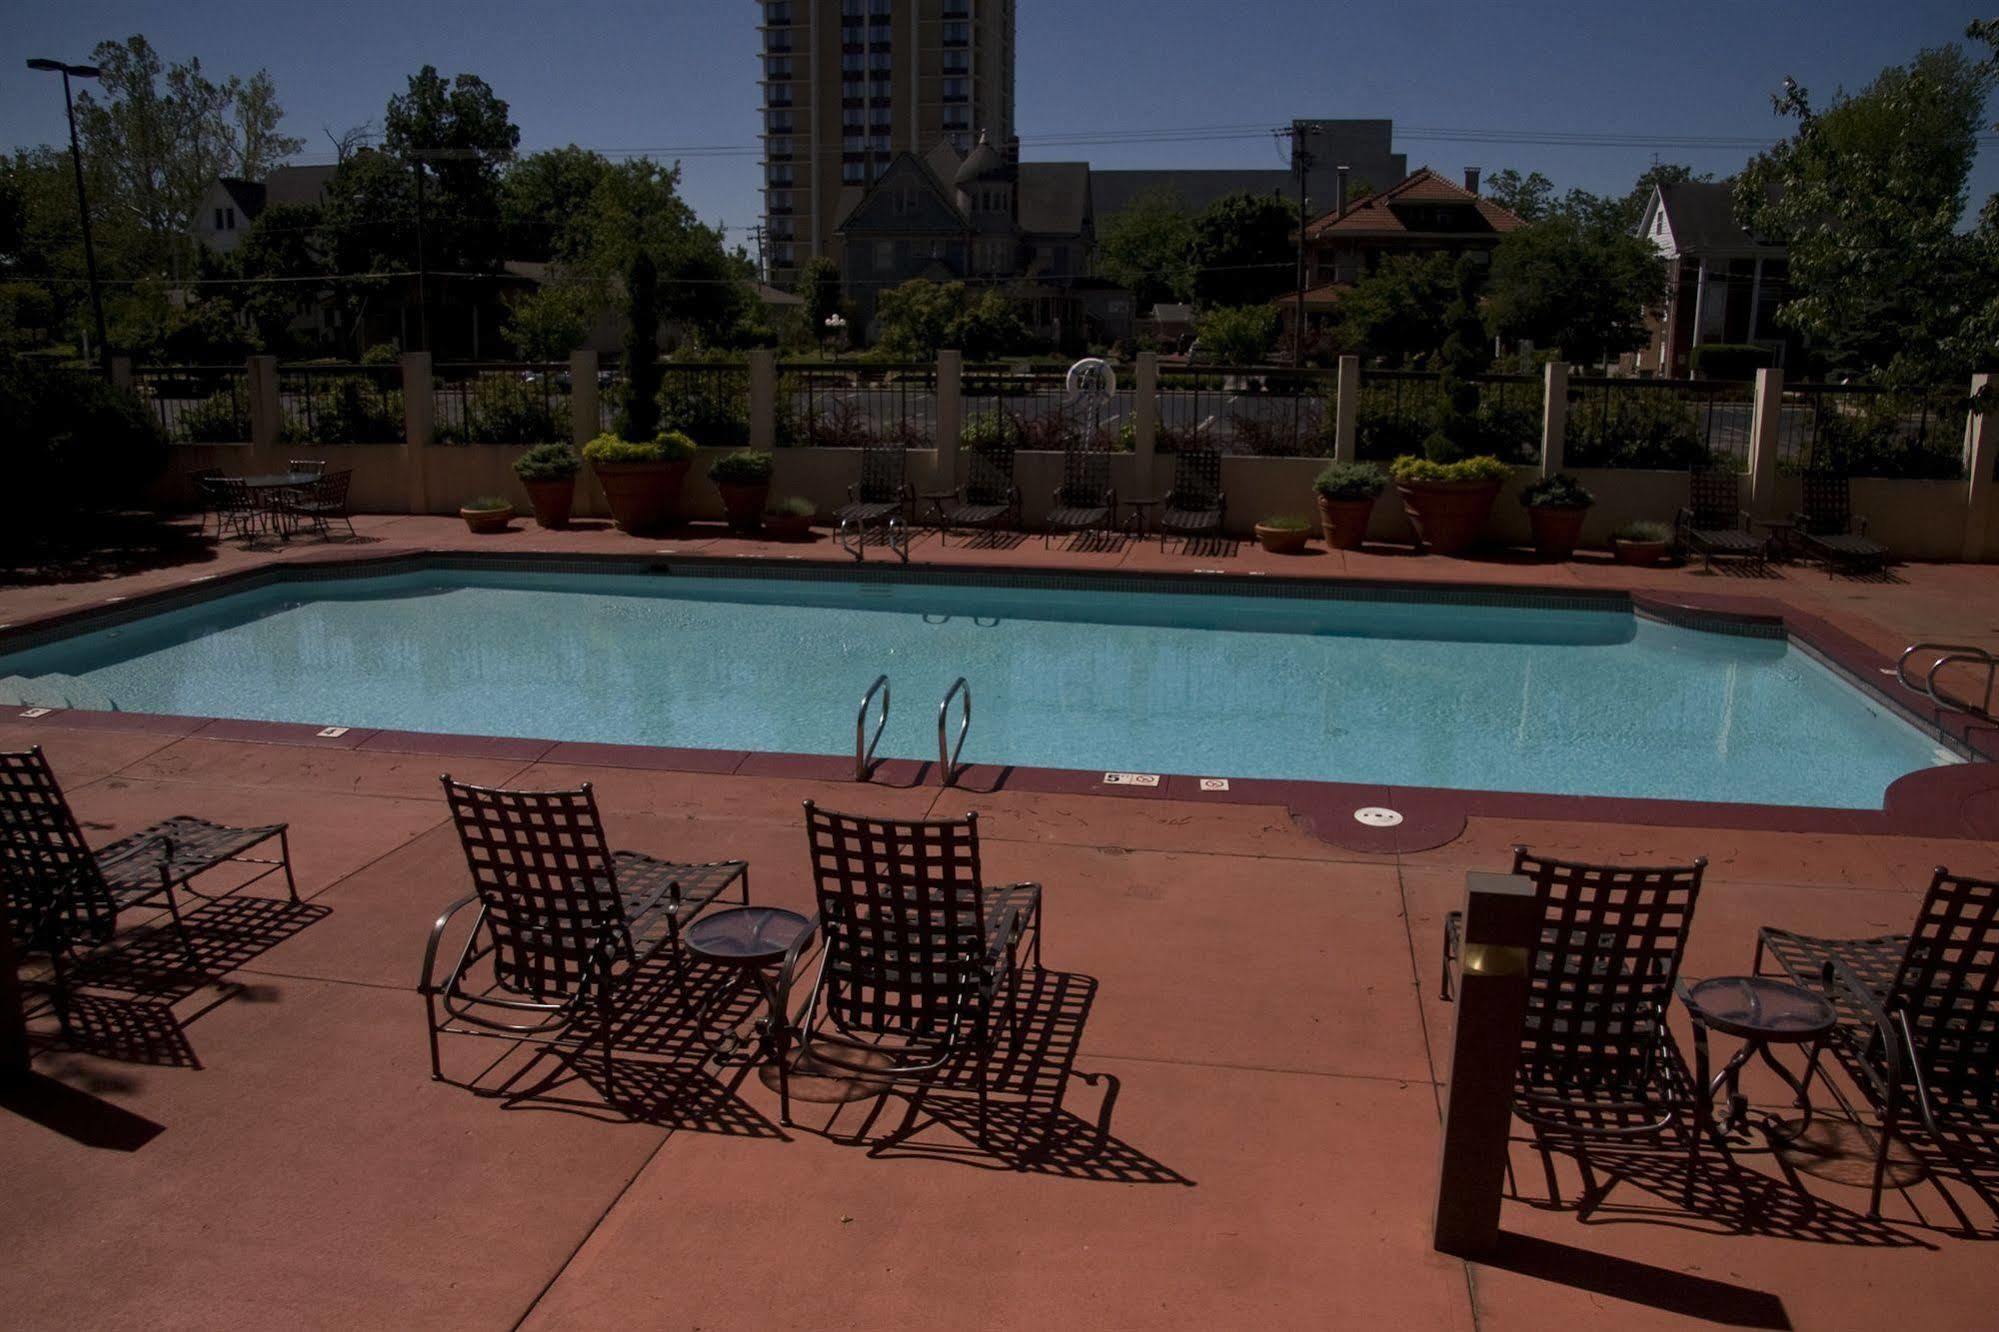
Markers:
126,1001
662,1076
1029,1126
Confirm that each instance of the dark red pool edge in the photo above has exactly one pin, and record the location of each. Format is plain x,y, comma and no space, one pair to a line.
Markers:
1951,801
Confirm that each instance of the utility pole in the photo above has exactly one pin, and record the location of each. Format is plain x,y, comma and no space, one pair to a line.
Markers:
763,269
1301,161
46,66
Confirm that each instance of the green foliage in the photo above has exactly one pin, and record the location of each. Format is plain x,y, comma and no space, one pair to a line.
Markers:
1867,196
1239,335
987,327
713,408
612,447
1243,251
1883,435
1286,522
1144,246
1478,468
501,409
915,318
744,467
216,419
1350,481
1729,360
1645,531
1396,313
1529,198
996,429
819,284
73,444
1464,354
344,409
675,446
382,353
548,323
1560,491
1641,428
638,418
795,506
1565,284
548,462
545,201
488,504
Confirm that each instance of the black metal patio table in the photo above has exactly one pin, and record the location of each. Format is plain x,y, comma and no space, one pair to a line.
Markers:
267,490
1761,1012
757,941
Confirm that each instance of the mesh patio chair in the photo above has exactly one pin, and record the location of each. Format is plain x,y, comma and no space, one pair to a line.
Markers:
1596,1055
1196,505
319,504
1085,501
919,958
1826,528
1919,1017
881,498
1714,524
988,498
234,506
64,898
562,923
201,480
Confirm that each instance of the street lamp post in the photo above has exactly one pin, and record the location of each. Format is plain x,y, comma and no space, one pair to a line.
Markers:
82,201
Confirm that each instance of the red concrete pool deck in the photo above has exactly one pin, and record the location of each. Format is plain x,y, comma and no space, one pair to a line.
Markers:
1248,1135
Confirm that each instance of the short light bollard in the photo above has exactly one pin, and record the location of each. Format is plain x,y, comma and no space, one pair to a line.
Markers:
1501,922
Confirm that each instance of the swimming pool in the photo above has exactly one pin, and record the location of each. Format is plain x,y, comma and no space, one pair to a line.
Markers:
1517,697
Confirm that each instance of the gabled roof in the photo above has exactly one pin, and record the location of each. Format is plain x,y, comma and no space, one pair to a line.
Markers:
296,185
872,214
1054,198
1700,219
1377,214
247,195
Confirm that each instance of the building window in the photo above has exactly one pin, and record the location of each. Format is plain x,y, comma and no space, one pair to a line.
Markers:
777,67
851,63
779,201
880,90
881,10
778,176
884,256
777,122
957,34
957,62
782,253
881,66
853,173
878,143
778,148
957,90
957,119
851,9
777,13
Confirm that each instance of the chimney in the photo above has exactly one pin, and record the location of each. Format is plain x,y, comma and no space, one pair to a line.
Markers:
1340,189
1471,180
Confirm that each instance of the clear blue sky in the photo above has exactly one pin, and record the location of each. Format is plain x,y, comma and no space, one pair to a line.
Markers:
660,75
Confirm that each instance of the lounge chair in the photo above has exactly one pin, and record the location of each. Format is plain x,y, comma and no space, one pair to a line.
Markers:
1196,505
1919,1016
881,498
64,898
562,924
919,959
1597,1057
1085,501
318,504
1715,525
1826,528
988,498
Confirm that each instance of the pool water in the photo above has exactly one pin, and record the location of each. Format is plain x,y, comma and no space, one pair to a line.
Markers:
1593,702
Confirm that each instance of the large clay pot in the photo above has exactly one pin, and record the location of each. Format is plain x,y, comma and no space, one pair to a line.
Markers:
1344,521
1448,515
787,526
1283,540
1556,530
484,522
1642,554
743,505
644,496
552,501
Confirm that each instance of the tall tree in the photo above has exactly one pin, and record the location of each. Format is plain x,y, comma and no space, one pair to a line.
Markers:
638,421
1244,250
1144,247
1530,197
544,195
819,284
1564,282
1464,354
455,133
1867,195
1396,313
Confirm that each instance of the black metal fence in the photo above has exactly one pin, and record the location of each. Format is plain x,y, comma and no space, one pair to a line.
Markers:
340,404
1034,405
1867,430
1663,424
519,403
1399,408
708,401
840,406
1262,411
197,404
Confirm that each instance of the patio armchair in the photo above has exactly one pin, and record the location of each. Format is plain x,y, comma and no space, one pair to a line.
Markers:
64,898
234,507
1919,1017
319,504
1714,524
919,957
1597,1057
988,498
882,491
1085,500
1196,505
1827,529
561,924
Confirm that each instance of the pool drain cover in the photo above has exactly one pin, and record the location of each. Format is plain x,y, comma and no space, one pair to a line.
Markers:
1374,816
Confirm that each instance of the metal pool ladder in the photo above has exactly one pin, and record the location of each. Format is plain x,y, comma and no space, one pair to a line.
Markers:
853,536
947,755
948,767
864,745
1951,654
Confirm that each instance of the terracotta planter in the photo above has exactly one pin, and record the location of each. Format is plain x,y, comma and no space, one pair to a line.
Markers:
1344,521
787,526
1644,554
1556,530
1283,540
1448,515
644,496
743,504
483,521
551,501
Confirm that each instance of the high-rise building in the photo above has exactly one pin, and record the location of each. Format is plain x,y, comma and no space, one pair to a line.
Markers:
848,84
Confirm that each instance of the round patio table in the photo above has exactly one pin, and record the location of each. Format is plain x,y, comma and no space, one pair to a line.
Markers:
265,490
754,941
1141,505
1761,1012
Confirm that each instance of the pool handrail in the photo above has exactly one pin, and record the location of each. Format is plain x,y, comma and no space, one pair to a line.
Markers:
864,746
947,754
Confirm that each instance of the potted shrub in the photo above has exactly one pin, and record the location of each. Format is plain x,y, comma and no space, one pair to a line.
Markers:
1284,534
548,473
641,481
1556,506
791,518
487,513
1448,493
743,477
1641,543
1346,493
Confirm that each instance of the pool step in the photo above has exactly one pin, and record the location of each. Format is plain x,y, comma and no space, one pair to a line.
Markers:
54,690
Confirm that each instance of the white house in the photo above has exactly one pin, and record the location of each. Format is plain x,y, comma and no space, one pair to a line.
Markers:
231,205
1723,284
